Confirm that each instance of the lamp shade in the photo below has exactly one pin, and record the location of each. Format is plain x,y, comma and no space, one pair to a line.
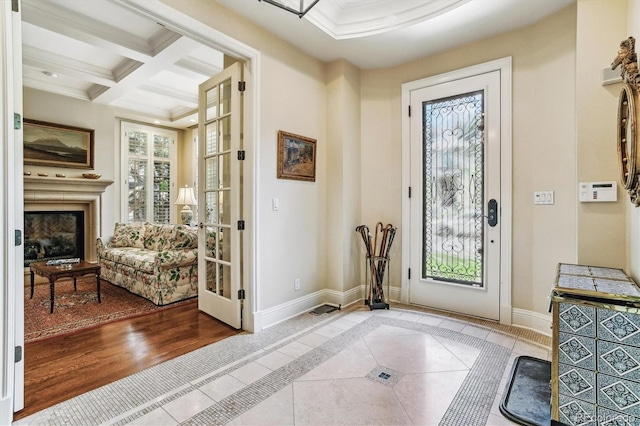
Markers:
186,196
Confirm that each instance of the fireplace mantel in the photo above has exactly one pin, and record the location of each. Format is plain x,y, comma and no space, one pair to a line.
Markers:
34,185
43,193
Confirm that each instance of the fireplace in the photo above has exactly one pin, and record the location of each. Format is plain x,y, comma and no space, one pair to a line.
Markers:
78,196
50,235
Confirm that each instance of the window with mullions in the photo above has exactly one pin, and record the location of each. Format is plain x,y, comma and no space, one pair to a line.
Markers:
149,156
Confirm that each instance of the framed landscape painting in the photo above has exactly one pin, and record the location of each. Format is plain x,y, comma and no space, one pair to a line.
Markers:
57,145
296,157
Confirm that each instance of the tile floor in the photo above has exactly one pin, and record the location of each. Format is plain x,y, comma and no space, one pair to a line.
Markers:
397,366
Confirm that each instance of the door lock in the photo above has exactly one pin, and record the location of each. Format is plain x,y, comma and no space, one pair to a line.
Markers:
492,217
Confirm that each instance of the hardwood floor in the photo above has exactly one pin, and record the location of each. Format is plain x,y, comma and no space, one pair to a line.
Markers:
60,368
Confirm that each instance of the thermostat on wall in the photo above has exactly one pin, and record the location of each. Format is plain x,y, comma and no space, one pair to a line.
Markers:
592,192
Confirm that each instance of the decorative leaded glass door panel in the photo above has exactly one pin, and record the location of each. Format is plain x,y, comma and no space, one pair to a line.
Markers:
455,163
453,190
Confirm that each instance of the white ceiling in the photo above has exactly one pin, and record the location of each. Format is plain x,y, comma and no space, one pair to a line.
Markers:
383,33
102,51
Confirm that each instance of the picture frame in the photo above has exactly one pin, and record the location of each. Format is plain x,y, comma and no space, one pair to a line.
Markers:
296,157
57,145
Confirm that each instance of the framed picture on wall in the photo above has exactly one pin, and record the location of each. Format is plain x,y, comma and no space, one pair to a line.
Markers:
57,145
296,157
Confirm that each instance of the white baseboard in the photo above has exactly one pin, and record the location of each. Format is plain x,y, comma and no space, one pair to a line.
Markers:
532,320
277,314
535,321
395,294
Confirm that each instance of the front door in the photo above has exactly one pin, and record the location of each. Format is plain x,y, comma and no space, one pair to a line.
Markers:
455,205
219,195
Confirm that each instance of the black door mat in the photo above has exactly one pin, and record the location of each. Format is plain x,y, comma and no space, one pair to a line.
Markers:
527,396
324,309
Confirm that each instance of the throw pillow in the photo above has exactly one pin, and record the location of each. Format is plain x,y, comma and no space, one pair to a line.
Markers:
185,237
128,235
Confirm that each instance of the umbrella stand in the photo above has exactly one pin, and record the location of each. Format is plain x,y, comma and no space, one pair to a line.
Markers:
376,263
376,295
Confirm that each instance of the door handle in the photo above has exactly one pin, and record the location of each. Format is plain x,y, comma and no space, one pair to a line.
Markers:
492,217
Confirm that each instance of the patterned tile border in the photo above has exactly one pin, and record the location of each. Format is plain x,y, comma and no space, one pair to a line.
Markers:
132,397
524,334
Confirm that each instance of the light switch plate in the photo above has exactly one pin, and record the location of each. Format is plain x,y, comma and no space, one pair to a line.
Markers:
543,197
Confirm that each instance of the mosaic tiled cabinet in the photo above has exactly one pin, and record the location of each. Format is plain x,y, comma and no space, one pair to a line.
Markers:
596,347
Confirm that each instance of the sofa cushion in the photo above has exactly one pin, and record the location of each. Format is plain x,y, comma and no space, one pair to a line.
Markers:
210,242
128,235
168,259
185,237
159,236
138,258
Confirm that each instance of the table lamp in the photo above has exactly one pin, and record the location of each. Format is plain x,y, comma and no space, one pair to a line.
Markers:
187,198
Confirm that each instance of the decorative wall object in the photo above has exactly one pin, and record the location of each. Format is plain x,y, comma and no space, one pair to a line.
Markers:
628,154
296,157
57,145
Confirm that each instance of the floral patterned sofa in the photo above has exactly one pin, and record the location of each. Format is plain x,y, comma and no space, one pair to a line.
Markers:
156,261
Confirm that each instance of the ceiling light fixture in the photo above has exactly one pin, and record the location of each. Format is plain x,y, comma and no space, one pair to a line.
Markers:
50,74
303,11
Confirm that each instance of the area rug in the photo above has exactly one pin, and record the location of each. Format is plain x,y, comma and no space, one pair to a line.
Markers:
75,310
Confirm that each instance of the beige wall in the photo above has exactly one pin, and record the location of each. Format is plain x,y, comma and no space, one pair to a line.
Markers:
601,226
105,120
343,175
54,108
543,145
292,242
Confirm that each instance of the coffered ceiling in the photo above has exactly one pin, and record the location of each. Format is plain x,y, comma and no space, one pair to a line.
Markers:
101,51
105,52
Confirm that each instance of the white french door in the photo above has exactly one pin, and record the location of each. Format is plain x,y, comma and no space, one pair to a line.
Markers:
219,195
455,132
12,217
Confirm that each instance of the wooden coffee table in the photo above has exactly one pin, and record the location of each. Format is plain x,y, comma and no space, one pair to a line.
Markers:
68,270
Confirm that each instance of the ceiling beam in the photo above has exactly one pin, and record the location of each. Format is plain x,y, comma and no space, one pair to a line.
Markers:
56,88
46,61
191,99
202,68
94,32
147,70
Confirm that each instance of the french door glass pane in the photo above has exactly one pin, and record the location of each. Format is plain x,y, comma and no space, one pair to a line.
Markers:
225,97
224,245
211,146
212,104
225,132
224,170
211,173
224,280
453,189
212,207
212,282
224,203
